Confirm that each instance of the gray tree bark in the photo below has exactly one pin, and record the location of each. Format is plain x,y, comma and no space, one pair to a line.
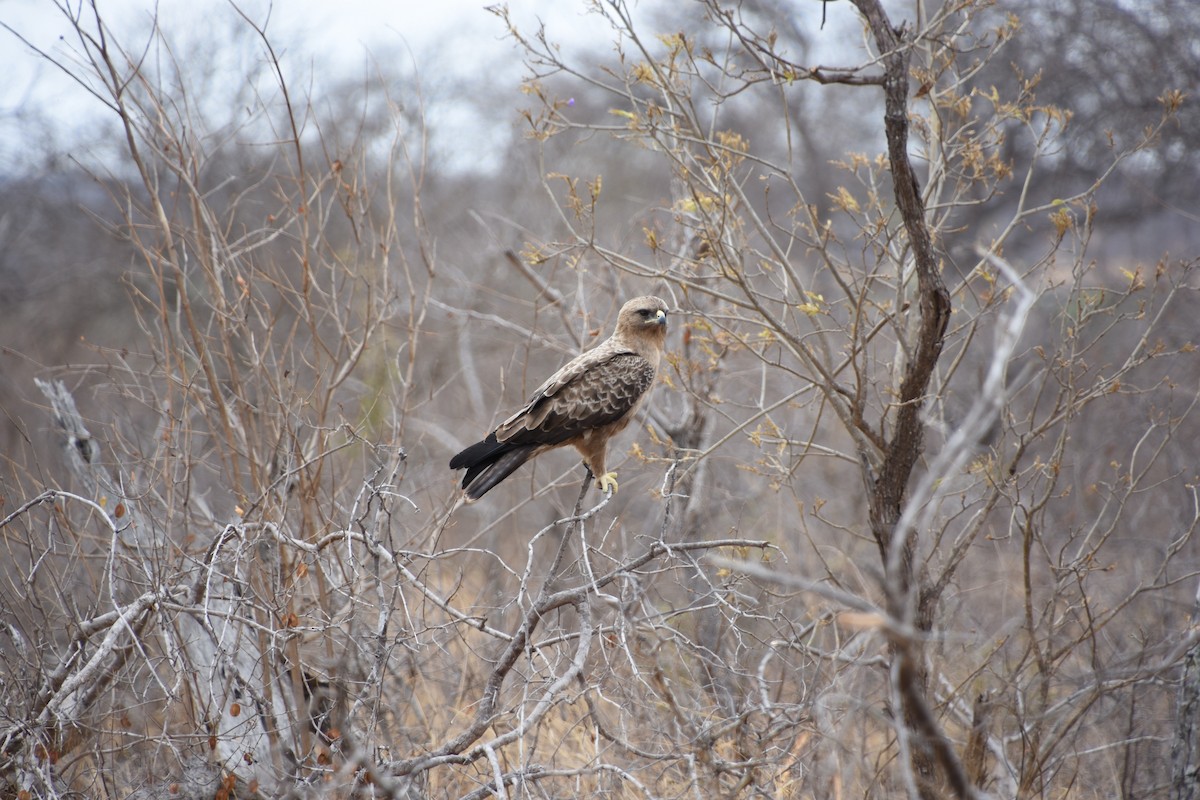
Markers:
1185,752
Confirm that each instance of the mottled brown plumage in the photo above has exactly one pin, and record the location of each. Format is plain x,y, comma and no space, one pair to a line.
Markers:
584,404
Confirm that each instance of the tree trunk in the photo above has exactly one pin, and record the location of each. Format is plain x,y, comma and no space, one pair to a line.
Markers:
1185,752
902,450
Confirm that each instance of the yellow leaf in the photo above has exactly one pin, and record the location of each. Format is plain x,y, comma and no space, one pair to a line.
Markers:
1061,220
844,200
651,238
1135,278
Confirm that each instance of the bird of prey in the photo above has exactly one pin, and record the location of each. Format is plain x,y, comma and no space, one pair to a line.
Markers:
584,404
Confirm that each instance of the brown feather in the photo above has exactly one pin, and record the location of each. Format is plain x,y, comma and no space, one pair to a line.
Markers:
584,404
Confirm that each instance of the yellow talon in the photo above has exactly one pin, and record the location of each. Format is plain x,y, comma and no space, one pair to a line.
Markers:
608,482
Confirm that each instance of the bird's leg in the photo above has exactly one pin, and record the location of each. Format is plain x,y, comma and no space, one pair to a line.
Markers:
607,482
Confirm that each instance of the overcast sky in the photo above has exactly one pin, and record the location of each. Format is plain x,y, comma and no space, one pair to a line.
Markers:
43,111
344,30
317,37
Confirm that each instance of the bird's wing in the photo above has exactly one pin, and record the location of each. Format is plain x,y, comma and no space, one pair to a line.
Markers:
596,389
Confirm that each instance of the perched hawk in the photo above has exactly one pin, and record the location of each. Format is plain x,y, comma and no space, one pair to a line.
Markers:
584,404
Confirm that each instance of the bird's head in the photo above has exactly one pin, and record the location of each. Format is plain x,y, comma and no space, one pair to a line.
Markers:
643,317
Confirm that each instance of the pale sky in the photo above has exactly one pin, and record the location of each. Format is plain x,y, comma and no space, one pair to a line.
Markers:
316,37
347,25
41,109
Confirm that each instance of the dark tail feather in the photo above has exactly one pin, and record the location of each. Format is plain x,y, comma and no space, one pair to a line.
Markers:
489,462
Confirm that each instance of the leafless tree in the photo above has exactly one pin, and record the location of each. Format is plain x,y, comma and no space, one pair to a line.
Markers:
911,514
866,355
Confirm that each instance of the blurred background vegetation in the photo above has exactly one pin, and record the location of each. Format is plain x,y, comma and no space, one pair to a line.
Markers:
283,292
